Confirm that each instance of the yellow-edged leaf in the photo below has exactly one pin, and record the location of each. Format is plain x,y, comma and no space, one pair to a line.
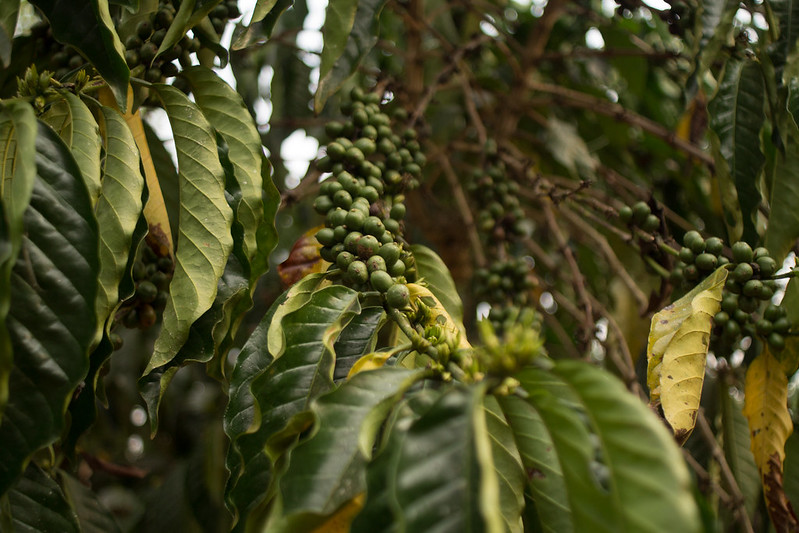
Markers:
770,425
373,360
155,208
676,352
340,521
303,259
423,294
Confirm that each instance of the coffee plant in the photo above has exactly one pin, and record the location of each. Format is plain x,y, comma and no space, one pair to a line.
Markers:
539,275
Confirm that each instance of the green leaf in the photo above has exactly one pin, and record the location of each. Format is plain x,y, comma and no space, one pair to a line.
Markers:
620,465
783,223
87,26
262,9
266,234
736,116
37,504
118,208
736,441
787,15
75,124
92,515
52,320
351,41
225,110
431,268
204,242
189,14
715,21
9,11
287,386
539,456
298,295
508,463
679,338
243,418
18,139
381,509
328,469
357,339
445,476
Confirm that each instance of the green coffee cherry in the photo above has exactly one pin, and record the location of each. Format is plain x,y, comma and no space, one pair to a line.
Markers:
626,214
752,288
748,304
743,272
729,303
342,199
398,296
706,262
694,240
714,246
357,272
686,255
742,252
768,266
344,259
146,291
326,237
381,280
776,341
367,246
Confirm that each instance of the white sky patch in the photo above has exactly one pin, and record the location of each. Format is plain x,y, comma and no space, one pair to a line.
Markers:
297,151
548,302
660,5
483,308
594,40
488,28
158,120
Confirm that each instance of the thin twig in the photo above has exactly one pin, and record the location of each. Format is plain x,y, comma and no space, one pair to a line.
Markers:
578,279
737,502
613,261
463,208
581,100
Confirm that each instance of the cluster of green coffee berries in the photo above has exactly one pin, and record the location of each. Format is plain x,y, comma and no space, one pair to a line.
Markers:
363,200
500,213
506,285
152,274
640,216
746,308
142,46
62,60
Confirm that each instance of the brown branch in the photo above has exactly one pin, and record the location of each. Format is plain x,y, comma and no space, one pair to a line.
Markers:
471,109
610,256
578,279
588,52
737,501
463,208
112,468
581,100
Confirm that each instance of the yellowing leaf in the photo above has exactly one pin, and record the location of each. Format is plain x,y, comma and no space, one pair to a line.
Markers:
303,259
676,352
154,209
340,521
770,425
437,311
